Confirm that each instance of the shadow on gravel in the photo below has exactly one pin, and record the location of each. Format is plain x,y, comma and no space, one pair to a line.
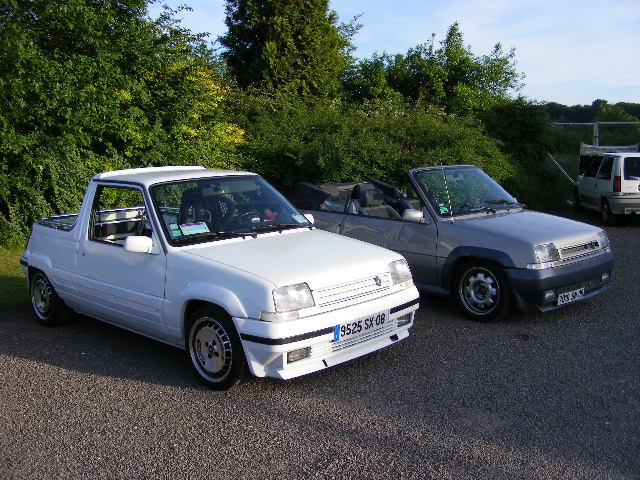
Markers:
90,346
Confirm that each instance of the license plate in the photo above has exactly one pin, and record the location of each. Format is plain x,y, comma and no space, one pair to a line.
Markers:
571,296
359,327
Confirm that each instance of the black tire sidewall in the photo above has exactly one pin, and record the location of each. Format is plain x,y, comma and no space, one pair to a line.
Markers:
608,218
577,204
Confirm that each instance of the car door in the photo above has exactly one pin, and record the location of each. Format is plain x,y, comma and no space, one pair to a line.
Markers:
415,241
588,182
604,180
122,287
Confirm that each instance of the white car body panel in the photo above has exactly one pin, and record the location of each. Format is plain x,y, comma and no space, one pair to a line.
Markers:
151,293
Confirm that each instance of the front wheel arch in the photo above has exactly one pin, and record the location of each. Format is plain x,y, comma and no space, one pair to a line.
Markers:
214,348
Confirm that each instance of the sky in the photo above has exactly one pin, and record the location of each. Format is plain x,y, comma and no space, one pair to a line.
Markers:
570,51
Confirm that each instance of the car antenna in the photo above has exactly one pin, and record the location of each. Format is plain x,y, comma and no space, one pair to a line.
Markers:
446,186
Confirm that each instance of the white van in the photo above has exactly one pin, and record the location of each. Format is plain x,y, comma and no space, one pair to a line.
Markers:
610,184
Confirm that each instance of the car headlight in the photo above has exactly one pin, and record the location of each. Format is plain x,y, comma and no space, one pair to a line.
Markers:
288,300
293,297
400,272
546,255
603,240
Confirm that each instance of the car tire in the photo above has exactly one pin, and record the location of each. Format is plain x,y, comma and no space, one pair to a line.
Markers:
49,309
214,349
577,204
609,219
482,290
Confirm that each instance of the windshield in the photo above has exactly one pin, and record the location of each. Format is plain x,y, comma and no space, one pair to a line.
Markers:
215,208
460,191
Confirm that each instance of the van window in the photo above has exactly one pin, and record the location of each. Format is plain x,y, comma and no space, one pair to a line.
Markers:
631,168
605,169
593,166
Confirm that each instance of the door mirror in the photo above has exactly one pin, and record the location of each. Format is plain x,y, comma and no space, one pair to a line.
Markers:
309,217
138,244
411,215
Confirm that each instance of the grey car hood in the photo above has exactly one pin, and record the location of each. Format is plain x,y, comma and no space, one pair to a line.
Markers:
505,229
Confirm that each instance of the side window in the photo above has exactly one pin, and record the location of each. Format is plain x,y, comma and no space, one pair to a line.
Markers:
632,168
593,167
605,169
118,212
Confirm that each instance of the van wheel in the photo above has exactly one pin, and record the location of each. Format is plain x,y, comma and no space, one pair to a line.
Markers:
482,291
47,306
577,204
214,349
609,219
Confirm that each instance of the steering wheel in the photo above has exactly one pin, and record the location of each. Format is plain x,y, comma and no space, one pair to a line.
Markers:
245,220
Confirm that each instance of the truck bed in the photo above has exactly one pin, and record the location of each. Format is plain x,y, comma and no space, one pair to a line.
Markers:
61,222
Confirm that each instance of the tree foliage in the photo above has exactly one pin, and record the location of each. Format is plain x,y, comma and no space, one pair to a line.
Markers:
94,85
450,76
331,142
279,45
87,86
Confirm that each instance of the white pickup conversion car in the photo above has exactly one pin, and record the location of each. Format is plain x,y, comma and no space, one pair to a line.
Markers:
222,265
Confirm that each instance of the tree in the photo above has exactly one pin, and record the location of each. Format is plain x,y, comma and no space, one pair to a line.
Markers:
451,76
87,86
286,46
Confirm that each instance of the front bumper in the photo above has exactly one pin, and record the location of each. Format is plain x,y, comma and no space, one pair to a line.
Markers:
530,287
267,344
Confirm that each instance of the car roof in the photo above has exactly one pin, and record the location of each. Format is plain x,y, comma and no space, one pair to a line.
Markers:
151,175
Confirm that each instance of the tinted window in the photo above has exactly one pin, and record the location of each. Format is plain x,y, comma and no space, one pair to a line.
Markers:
593,166
605,169
631,168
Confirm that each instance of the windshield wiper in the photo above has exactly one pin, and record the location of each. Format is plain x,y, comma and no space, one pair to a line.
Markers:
275,227
469,205
203,237
502,201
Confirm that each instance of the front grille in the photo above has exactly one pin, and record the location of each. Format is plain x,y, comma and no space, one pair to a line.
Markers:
579,250
587,284
352,292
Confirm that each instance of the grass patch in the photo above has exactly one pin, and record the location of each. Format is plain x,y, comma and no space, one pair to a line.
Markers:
13,286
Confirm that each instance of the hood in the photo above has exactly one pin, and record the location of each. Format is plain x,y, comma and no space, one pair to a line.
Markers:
531,227
313,256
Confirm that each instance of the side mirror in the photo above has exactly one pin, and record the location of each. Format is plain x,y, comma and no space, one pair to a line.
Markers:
411,215
309,217
138,244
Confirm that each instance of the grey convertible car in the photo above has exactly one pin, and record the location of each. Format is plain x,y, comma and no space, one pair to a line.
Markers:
464,236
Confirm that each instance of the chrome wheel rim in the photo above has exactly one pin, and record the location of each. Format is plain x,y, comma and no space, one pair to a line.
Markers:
41,296
211,349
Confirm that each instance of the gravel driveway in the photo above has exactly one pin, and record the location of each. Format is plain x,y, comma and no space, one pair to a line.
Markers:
535,396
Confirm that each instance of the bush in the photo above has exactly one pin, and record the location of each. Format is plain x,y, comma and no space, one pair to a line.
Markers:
288,141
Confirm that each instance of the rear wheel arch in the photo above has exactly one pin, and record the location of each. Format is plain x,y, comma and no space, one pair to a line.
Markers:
48,307
608,218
